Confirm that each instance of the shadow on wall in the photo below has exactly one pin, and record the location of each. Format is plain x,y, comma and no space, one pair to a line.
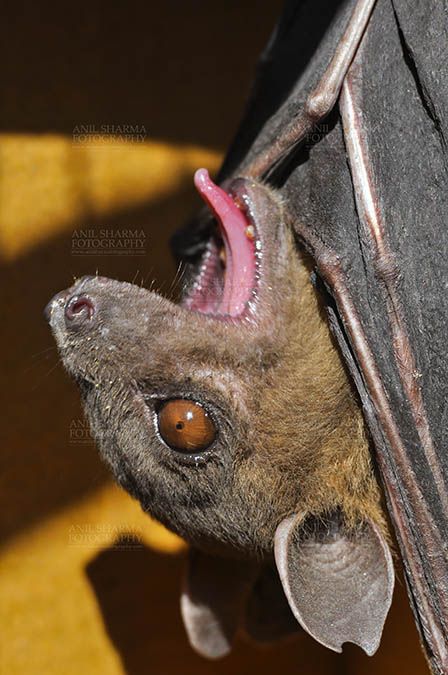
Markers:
181,69
140,607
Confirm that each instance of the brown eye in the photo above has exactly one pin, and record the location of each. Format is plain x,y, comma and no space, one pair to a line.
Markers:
184,425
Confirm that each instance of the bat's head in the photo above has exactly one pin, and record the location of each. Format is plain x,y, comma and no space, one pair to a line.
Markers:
229,412
181,397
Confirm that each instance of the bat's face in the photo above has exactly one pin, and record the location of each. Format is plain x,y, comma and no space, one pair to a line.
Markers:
198,407
230,417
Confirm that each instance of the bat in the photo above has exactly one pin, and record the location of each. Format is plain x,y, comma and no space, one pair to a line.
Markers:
244,416
191,406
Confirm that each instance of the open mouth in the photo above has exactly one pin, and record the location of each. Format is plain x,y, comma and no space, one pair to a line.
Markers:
226,282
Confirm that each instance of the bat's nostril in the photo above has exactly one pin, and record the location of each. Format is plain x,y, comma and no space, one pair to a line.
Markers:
79,308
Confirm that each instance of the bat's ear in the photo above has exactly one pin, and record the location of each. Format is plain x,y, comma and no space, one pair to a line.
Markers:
213,600
338,582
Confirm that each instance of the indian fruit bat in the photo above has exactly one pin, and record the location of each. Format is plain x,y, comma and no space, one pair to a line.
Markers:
233,416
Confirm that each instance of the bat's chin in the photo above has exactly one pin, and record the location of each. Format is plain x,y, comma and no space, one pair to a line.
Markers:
226,282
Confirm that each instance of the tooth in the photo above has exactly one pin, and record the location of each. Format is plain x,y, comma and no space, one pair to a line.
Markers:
250,232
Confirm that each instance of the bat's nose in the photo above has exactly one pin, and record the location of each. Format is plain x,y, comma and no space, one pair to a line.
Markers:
77,306
78,310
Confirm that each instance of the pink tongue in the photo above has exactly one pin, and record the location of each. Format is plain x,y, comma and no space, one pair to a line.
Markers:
240,258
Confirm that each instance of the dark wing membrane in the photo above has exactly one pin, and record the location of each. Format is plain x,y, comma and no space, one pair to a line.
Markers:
290,67
399,87
368,198
377,228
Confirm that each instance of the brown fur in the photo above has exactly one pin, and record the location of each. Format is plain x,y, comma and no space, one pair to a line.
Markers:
312,425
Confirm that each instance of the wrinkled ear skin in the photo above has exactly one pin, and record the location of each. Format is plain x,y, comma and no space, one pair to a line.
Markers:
213,599
338,582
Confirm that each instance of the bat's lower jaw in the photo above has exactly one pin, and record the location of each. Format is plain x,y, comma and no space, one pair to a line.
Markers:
215,531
